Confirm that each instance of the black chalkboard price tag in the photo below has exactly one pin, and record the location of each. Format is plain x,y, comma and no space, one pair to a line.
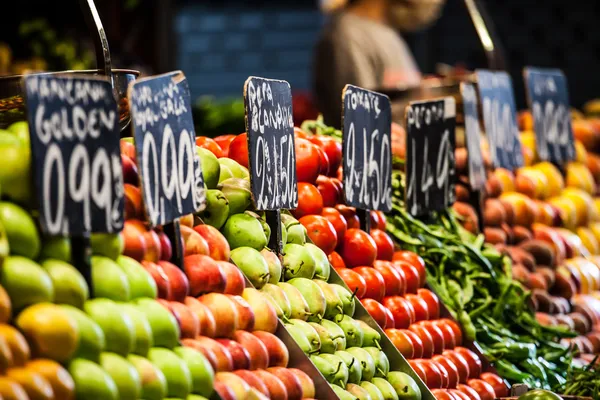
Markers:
163,130
272,155
499,118
430,163
548,98
367,151
74,130
477,176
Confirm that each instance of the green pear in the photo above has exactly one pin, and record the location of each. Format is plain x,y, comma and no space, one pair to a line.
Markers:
110,281
274,264
366,362
217,208
154,383
15,175
374,392
252,264
91,337
298,305
327,343
118,328
91,381
354,367
336,333
25,282
371,336
309,332
404,385
143,332
234,167
352,330
224,173
20,229
140,281
284,238
176,371
386,389
4,248
279,297
382,364
343,394
346,297
165,330
296,234
211,168
359,392
69,285
313,295
123,374
323,268
333,302
325,367
107,244
201,371
299,337
57,248
297,262
340,378
237,192
243,230
198,397
275,305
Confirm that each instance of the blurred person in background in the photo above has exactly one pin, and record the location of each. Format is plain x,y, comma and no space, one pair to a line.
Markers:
361,45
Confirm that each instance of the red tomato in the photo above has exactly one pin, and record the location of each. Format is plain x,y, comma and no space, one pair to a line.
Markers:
337,220
339,185
323,161
389,320
472,359
374,219
402,342
375,310
469,391
385,245
382,220
349,214
320,231
449,340
374,280
310,201
419,305
450,369
459,395
358,248
436,334
308,162
411,275
425,337
461,364
394,282
238,149
299,133
416,342
483,389
354,281
442,394
433,373
415,260
497,384
332,148
433,303
210,145
224,141
328,190
419,369
336,260
455,328
403,313
444,372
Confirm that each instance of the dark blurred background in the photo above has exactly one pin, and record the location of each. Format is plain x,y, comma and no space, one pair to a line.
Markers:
219,43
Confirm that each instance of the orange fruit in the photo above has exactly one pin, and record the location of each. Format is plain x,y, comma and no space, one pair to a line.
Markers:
567,210
554,178
588,240
580,152
17,344
579,176
11,390
35,385
58,377
6,358
506,178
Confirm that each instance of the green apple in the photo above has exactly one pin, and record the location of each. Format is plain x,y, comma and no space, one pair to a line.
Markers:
15,174
69,285
107,244
91,381
123,374
165,330
4,247
154,383
200,370
25,282
177,373
141,283
21,231
57,248
116,325
109,280
143,332
21,130
91,337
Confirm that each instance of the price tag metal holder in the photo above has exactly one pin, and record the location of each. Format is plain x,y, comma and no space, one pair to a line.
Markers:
367,152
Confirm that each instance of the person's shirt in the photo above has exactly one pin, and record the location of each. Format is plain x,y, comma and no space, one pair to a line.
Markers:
358,51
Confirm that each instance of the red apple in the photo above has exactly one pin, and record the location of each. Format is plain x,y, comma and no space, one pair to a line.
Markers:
308,386
206,352
189,324
277,390
179,283
134,205
224,391
193,243
239,355
394,280
167,304
234,278
153,246
160,277
224,310
265,315
224,358
218,246
130,172
235,383
204,274
376,310
166,250
375,285
246,316
134,241
278,353
291,382
206,321
259,356
187,220
253,380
